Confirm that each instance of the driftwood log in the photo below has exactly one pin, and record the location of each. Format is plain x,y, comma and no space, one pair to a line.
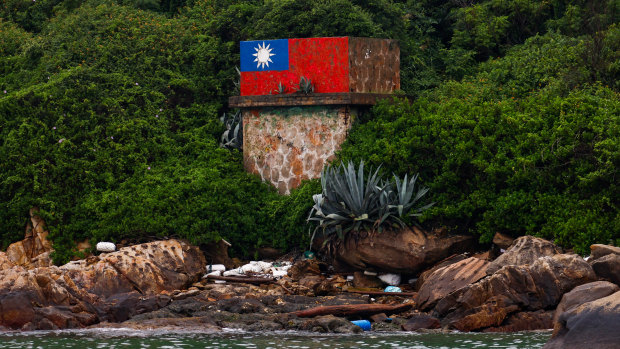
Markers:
248,280
354,309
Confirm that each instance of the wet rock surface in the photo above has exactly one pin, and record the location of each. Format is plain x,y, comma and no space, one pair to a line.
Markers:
421,321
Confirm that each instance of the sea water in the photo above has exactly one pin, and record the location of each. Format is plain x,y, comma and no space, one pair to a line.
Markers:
128,338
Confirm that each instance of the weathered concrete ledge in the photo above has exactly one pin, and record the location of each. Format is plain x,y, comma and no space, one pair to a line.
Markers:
298,99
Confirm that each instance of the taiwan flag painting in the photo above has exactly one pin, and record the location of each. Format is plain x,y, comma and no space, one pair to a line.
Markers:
266,64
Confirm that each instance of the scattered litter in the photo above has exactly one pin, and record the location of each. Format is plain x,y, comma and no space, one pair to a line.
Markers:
363,324
390,279
215,267
370,273
216,273
234,272
350,278
256,268
219,281
392,289
106,247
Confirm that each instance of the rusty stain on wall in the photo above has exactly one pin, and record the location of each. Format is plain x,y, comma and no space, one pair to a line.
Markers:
287,145
374,65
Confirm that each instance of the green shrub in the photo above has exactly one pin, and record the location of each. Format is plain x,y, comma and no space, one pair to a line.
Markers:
545,165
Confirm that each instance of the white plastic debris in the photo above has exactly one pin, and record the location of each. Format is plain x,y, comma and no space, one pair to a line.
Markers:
251,268
220,281
215,267
234,272
390,279
350,277
370,273
279,273
106,247
264,266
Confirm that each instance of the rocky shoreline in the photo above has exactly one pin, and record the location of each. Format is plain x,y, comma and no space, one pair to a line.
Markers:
162,284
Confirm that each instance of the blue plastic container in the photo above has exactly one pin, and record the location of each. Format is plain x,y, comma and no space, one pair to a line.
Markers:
363,324
392,289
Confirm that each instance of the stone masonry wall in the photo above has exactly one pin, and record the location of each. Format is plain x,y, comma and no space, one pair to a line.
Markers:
287,145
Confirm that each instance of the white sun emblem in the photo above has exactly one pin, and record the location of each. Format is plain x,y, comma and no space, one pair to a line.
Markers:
262,55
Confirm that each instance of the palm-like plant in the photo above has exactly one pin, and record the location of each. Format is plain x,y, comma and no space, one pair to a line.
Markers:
351,202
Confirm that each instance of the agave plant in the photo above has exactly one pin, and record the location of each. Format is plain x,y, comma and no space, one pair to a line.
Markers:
280,90
351,202
305,85
233,136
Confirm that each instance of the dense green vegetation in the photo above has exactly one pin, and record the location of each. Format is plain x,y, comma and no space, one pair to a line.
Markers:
109,117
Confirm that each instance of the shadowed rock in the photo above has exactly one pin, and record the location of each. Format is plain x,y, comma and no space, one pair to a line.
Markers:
525,321
502,240
608,268
593,324
420,321
580,295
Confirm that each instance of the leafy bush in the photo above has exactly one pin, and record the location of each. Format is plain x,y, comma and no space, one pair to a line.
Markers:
543,164
349,204
155,75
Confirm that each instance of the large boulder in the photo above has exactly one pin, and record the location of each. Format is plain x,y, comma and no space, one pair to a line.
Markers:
502,240
512,289
593,324
524,250
598,250
111,287
34,250
444,263
448,279
579,295
608,268
403,251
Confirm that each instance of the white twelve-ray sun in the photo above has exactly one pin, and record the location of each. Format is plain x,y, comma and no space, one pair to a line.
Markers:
263,55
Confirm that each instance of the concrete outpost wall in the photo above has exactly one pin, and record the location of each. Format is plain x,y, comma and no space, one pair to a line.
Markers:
290,137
